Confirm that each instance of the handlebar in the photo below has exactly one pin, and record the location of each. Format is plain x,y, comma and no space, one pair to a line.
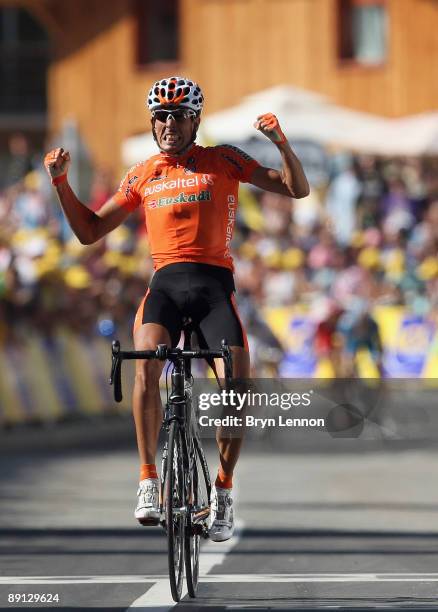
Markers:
162,353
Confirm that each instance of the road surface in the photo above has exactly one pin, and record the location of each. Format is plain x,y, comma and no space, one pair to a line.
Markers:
345,525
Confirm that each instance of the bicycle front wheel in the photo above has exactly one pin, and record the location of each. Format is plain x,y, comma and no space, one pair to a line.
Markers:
175,510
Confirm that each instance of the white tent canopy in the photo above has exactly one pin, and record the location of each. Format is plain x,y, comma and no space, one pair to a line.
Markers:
308,116
137,148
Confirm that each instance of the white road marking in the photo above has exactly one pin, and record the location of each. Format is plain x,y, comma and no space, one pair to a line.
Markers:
212,554
81,579
303,578
224,578
157,598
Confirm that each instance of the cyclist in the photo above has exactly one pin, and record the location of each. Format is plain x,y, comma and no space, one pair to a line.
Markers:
189,195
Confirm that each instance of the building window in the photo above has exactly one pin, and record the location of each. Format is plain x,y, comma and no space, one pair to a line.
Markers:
363,31
24,52
157,31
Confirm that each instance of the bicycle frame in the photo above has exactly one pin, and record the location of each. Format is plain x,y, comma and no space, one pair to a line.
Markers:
176,406
184,504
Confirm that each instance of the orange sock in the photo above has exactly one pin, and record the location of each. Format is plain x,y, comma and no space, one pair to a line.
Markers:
223,480
148,470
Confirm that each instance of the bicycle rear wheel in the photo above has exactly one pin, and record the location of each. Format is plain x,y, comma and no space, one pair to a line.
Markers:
199,508
174,510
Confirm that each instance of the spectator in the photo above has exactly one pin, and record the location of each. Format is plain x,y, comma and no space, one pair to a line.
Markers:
342,201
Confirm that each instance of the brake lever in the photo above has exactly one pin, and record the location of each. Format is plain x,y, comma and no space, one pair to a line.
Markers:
116,371
228,363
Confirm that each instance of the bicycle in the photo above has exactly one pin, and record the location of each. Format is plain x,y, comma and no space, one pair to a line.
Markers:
185,484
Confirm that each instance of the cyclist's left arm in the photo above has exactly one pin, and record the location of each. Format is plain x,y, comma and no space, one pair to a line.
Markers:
291,180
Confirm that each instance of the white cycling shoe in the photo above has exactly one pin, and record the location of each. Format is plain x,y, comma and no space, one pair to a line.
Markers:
147,511
221,515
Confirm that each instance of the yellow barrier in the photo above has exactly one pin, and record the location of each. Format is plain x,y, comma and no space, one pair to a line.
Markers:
67,376
404,336
64,377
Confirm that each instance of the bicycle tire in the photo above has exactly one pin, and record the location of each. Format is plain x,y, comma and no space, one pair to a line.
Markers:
204,467
175,521
192,540
198,498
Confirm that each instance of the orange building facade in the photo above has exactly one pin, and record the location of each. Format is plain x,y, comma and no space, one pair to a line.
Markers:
105,55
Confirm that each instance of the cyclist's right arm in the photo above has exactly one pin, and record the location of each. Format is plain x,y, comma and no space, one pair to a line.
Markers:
87,225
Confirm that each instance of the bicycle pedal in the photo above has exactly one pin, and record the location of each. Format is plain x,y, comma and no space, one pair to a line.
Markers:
149,522
197,530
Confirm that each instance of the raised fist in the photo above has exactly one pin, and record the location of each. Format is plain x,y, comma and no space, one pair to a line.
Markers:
56,163
269,126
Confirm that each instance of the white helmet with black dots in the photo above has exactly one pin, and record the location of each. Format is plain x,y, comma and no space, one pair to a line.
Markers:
175,92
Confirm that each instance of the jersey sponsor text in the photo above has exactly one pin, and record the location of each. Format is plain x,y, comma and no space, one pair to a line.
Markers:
182,198
179,183
230,224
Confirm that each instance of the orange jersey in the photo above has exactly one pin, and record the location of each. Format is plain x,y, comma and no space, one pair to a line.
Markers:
189,202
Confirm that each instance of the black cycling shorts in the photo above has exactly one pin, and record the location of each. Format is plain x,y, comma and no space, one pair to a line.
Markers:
203,292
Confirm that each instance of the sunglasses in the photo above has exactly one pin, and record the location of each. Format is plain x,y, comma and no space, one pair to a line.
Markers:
177,115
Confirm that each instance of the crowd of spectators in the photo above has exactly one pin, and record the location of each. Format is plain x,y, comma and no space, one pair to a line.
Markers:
371,233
